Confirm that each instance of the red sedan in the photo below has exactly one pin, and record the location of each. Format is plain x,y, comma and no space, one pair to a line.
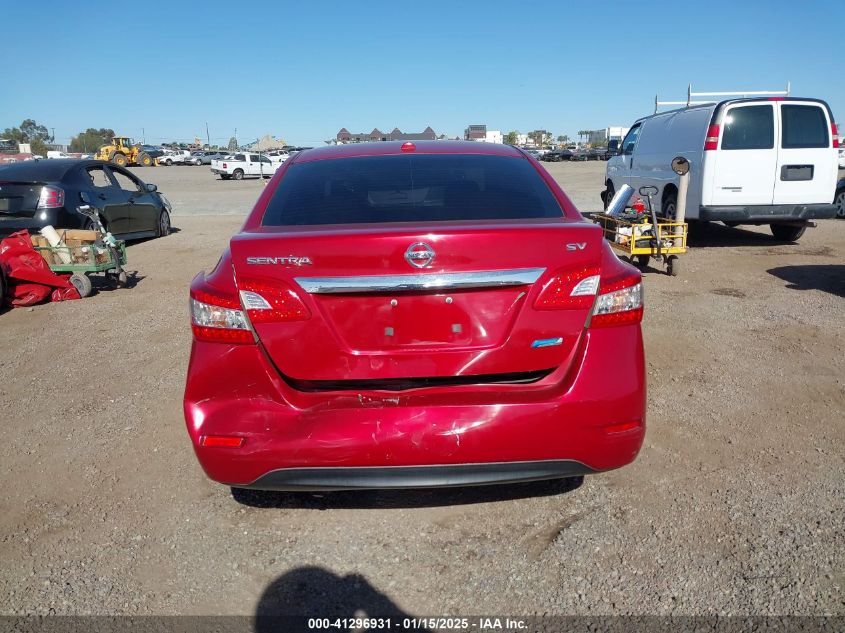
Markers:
413,315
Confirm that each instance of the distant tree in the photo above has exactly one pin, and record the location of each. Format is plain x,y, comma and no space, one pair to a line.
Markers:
35,132
30,132
233,144
564,139
91,140
512,138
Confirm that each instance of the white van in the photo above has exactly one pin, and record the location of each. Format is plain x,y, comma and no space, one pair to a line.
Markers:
51,154
770,160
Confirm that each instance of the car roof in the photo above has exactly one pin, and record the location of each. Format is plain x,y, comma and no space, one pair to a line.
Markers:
42,169
46,169
387,148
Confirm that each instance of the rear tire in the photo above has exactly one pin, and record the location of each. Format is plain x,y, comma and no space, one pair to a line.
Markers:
225,176
119,159
238,174
642,260
82,284
786,232
839,201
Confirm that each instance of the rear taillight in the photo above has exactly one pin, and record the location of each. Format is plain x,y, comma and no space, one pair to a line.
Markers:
619,303
218,319
711,141
225,166
51,198
571,290
271,302
834,132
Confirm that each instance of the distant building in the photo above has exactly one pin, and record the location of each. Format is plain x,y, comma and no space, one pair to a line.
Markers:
345,136
491,136
613,133
475,133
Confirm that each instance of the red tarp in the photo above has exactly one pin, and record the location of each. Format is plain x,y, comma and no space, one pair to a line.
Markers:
29,279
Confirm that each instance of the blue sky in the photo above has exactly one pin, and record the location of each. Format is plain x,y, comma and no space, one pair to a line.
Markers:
302,70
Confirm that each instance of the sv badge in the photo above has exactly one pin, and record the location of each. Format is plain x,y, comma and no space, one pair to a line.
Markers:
576,246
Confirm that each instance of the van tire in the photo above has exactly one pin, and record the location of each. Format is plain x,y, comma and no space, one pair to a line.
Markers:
608,194
839,201
670,202
787,232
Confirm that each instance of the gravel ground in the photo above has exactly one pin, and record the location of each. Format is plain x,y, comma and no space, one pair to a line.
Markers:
735,505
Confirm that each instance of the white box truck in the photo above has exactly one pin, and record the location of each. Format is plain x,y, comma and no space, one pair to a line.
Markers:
769,160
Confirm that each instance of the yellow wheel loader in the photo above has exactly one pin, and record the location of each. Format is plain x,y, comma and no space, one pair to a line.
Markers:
122,151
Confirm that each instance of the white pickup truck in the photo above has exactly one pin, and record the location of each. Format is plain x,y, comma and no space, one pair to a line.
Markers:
237,166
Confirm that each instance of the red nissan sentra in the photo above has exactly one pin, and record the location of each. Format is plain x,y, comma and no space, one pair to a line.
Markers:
414,315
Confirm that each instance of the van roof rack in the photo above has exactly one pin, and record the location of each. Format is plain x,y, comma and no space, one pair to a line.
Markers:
690,94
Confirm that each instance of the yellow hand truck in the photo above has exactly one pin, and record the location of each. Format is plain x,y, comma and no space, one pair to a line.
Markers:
640,237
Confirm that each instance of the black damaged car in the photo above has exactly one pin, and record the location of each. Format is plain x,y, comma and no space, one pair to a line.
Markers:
37,193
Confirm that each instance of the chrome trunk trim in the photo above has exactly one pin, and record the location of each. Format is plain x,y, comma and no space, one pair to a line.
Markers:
424,281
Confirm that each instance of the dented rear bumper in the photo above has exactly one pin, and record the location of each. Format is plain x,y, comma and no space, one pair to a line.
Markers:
589,419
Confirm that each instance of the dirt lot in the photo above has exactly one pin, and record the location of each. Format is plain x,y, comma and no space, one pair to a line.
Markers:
735,505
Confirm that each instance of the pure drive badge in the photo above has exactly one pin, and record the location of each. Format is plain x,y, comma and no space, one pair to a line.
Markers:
290,260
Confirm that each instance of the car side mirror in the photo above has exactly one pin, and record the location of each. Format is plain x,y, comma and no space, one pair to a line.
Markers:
151,187
83,195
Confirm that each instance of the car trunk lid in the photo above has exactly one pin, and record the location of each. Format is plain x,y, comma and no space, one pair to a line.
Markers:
396,302
19,199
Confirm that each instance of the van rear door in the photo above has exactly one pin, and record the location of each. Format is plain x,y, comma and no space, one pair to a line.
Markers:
745,163
806,163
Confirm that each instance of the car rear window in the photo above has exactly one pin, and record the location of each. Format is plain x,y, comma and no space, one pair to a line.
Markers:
410,188
35,170
749,127
803,126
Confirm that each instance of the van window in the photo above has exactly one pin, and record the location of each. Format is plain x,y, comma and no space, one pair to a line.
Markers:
749,127
630,140
803,126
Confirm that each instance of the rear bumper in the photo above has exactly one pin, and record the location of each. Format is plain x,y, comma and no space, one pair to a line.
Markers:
439,476
588,420
59,218
765,214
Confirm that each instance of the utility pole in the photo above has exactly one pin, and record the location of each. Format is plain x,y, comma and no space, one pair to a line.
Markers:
53,135
207,137
143,136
